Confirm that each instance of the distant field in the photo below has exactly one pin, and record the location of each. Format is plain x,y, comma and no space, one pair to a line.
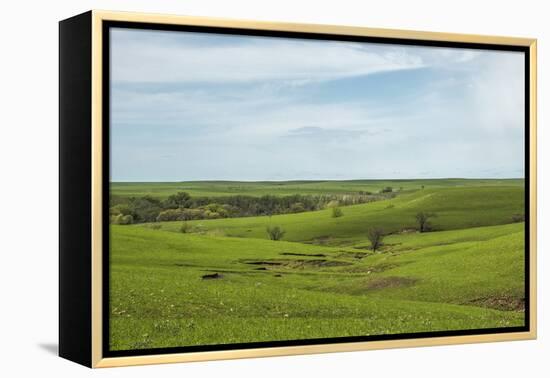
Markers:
224,281
228,188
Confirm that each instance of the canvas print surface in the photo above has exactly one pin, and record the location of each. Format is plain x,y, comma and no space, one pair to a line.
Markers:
268,189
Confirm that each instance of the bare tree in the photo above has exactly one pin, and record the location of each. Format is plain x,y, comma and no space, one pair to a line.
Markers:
422,218
375,236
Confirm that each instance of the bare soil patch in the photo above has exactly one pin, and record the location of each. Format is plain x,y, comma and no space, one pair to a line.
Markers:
302,254
213,276
297,264
502,303
352,255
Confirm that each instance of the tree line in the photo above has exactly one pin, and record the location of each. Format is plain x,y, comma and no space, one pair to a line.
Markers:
183,207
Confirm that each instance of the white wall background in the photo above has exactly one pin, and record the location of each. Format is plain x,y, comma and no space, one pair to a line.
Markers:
28,159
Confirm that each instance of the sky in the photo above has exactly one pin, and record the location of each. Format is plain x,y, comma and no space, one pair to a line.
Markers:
196,106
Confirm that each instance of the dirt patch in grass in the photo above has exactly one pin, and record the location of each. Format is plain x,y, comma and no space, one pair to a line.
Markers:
352,255
390,282
302,254
263,262
322,263
213,276
297,264
502,303
234,271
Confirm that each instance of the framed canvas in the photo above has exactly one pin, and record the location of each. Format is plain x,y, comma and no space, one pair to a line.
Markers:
235,189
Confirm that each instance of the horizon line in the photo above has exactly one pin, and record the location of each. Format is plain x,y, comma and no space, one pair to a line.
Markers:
325,180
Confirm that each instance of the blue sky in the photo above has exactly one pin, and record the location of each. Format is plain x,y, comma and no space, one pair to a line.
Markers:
193,106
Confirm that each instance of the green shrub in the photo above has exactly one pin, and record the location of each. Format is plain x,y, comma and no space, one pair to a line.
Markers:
337,212
123,209
178,200
275,233
297,207
122,219
170,215
185,228
127,219
145,209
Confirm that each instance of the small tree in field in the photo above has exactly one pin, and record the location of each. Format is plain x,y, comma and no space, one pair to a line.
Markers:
422,218
375,236
275,233
337,212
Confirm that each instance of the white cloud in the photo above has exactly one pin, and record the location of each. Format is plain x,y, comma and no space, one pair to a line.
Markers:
159,58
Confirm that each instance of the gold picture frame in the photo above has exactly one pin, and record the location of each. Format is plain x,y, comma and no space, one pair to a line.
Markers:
89,330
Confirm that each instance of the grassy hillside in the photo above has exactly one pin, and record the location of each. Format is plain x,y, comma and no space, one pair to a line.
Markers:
228,188
267,290
224,281
456,208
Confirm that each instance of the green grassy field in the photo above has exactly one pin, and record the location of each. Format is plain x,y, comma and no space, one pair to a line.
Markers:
321,280
281,188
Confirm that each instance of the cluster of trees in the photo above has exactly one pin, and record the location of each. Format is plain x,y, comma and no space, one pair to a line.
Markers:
182,207
176,207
